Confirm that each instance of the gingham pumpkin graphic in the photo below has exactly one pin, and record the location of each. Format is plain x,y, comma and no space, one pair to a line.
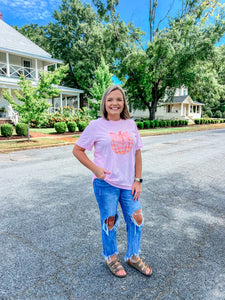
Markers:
121,143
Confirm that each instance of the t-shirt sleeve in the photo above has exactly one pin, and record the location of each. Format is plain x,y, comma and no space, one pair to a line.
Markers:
139,143
87,138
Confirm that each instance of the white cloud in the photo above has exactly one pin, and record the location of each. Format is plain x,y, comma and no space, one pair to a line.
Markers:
31,10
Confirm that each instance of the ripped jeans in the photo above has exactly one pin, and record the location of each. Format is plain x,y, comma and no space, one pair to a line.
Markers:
108,197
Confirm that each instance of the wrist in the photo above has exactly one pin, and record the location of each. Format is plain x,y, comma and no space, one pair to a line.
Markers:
138,179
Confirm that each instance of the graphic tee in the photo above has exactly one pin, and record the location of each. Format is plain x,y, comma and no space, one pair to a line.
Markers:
115,144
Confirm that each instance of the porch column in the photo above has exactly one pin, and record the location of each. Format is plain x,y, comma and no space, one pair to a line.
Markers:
7,63
78,101
56,66
181,109
61,104
36,70
200,110
66,101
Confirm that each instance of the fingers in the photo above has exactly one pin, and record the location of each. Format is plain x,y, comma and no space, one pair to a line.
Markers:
101,173
136,196
107,172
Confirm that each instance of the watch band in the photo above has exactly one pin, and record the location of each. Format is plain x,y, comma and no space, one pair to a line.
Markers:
138,179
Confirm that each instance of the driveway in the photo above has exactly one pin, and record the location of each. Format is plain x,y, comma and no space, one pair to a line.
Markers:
50,242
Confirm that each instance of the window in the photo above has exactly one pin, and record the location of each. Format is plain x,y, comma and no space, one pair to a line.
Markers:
27,66
168,108
184,92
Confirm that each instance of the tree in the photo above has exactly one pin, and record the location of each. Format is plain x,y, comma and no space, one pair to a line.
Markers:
80,37
33,99
103,80
172,54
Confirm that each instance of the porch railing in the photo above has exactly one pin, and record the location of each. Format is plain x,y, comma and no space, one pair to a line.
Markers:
13,115
16,71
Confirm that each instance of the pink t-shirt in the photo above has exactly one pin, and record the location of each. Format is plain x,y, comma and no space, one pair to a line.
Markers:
115,144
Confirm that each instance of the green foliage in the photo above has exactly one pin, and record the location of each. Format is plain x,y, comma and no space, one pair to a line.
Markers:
161,123
168,122
34,98
21,129
68,114
82,125
209,113
152,124
71,126
156,122
102,80
140,125
170,59
146,124
60,127
6,130
218,114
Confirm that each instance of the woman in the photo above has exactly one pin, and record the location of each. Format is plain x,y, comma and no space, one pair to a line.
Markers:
117,170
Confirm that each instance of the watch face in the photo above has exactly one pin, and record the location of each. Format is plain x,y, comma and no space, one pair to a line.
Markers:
141,180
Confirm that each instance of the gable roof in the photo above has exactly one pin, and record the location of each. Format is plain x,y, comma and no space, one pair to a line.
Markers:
13,41
181,99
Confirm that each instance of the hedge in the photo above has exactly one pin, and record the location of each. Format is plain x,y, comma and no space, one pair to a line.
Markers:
81,125
6,130
71,126
60,127
21,129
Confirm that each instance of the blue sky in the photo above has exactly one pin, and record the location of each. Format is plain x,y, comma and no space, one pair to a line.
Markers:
21,12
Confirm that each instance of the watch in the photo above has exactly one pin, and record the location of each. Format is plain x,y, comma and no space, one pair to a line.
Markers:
138,179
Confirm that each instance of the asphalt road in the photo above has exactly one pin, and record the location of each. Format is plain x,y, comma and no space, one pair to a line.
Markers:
50,242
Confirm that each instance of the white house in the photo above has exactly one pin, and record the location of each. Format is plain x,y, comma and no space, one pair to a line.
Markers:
182,107
19,55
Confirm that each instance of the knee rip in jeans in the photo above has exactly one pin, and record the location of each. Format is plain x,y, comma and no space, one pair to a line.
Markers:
111,223
137,218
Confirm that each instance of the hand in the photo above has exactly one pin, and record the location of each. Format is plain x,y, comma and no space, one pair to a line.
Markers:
136,190
100,173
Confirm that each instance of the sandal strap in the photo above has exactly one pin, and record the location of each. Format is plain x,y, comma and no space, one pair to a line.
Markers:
116,265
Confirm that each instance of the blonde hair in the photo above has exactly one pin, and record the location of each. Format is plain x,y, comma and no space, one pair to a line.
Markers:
125,113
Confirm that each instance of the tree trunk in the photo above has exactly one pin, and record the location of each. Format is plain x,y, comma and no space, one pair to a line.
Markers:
152,109
28,131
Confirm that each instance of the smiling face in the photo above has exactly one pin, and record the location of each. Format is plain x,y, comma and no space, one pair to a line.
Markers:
114,105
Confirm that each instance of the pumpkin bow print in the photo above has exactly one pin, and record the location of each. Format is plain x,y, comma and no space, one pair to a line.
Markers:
121,143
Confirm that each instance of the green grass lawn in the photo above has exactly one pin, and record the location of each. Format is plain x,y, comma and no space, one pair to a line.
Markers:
24,144
43,130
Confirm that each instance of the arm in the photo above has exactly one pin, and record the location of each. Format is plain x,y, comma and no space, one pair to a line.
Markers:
80,154
136,188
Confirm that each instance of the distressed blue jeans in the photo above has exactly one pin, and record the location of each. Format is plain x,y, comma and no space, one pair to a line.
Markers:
108,197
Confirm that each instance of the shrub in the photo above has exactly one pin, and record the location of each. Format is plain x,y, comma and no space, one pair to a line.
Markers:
152,124
71,126
21,129
173,123
185,122
218,114
209,113
140,125
146,124
161,123
223,114
156,123
168,122
6,130
60,127
81,125
176,122
197,121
